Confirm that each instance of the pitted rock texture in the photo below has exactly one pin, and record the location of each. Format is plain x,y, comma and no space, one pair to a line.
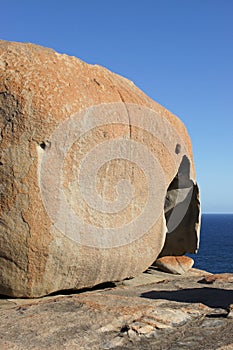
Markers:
66,228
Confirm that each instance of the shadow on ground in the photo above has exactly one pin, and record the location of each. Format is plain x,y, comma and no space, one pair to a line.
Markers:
212,297
98,287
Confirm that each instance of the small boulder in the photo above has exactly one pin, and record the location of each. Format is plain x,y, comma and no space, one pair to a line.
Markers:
177,265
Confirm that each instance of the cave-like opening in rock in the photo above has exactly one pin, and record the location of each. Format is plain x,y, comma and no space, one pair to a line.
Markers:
182,213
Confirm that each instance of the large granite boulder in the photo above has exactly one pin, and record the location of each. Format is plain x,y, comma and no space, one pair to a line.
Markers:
97,179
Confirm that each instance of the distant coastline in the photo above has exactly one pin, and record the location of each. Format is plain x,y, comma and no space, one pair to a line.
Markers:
217,213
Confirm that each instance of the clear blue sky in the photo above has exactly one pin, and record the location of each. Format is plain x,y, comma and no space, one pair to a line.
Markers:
179,52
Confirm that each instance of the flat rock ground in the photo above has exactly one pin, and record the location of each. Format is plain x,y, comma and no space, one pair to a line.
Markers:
155,310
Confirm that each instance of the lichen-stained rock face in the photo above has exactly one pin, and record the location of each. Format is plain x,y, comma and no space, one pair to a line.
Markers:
95,176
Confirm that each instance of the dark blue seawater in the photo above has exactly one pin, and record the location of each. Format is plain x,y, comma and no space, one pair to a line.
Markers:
216,245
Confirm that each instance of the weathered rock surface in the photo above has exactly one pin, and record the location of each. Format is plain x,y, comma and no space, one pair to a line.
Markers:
156,310
175,264
230,314
218,277
87,161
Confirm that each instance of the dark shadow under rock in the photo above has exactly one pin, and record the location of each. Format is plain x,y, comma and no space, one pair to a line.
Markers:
212,297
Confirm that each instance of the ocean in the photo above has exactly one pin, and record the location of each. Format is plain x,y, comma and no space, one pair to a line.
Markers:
216,244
